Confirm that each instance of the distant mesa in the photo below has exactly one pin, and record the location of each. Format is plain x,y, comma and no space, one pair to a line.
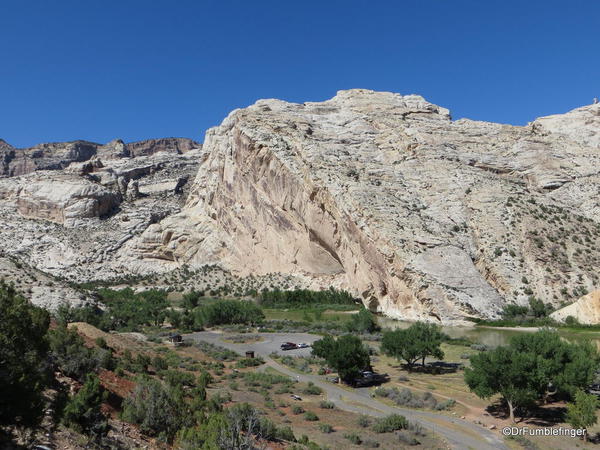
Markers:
58,155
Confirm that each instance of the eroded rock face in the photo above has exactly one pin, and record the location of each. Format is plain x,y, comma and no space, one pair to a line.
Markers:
74,223
169,145
62,198
384,195
53,156
58,155
586,310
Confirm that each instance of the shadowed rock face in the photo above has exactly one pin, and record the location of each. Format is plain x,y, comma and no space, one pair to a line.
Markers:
57,156
385,195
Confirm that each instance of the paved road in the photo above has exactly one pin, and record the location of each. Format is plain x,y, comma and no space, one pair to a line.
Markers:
459,434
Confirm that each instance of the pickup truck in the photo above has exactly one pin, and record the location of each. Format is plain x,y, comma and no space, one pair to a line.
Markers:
288,346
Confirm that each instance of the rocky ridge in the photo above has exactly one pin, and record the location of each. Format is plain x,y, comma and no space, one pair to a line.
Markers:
420,216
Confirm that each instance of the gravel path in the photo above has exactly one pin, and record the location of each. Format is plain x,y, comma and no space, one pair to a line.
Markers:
459,434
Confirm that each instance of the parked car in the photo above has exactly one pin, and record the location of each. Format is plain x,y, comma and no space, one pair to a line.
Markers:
296,397
303,345
288,346
333,379
368,378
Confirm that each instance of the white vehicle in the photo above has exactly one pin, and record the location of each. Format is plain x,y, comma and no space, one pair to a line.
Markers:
303,345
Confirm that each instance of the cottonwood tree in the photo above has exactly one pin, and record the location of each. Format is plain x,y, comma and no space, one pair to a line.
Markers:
582,412
414,343
346,354
504,371
568,366
522,371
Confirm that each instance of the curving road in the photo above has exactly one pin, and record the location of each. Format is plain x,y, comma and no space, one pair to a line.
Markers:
458,433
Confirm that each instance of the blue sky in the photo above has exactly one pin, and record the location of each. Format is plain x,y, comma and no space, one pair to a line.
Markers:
140,69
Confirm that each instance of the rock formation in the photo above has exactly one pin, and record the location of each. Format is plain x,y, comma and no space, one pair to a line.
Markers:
59,155
420,216
586,310
385,195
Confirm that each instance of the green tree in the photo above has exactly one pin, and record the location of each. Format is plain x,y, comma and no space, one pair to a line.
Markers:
511,311
507,372
582,412
418,341
82,411
522,371
538,308
228,312
190,299
346,354
23,350
568,366
362,322
324,346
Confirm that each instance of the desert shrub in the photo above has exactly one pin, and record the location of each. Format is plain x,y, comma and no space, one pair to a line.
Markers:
363,421
249,362
407,438
446,404
390,423
325,428
312,389
285,434
266,380
72,357
479,347
177,378
297,409
370,443
325,404
310,416
217,352
406,397
156,408
354,438
159,363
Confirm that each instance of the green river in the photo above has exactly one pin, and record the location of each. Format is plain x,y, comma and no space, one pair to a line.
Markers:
493,337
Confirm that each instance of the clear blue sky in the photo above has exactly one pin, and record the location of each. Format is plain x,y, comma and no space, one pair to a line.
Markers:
140,69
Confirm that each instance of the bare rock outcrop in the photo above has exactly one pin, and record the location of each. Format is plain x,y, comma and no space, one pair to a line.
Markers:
169,145
59,155
384,195
586,310
63,198
419,215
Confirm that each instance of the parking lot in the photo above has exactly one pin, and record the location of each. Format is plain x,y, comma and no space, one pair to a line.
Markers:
271,342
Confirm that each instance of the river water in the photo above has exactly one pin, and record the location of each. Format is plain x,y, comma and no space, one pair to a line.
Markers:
493,337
